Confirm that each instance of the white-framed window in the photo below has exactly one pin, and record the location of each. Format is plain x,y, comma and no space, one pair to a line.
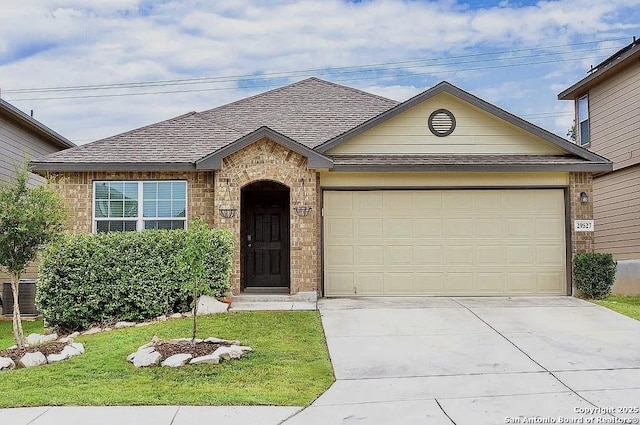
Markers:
139,205
583,120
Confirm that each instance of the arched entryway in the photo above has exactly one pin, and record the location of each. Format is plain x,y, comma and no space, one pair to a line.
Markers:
264,237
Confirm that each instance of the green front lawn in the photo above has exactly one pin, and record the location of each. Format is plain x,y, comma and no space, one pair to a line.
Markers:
289,366
629,305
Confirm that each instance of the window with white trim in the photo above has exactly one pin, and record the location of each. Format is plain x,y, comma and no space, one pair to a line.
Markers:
583,120
139,205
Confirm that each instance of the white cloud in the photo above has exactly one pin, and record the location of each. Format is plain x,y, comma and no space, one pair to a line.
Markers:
49,43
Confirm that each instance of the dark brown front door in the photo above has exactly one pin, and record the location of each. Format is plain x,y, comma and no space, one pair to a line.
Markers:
266,238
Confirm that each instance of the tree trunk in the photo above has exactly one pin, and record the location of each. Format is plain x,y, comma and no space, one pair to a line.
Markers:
195,314
18,333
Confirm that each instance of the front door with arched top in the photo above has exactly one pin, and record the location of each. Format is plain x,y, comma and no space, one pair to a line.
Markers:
265,237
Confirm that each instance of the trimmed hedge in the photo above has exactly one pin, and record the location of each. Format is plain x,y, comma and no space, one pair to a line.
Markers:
89,279
594,274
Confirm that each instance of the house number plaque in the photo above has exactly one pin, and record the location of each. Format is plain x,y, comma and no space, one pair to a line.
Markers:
583,225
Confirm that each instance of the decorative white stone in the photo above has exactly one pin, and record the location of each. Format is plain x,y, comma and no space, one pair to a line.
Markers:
33,339
177,360
147,345
92,331
78,347
121,325
215,340
147,359
13,347
141,324
176,316
33,359
74,335
210,359
242,348
187,314
228,353
48,338
162,318
210,305
52,358
66,340
69,351
142,351
6,363
107,329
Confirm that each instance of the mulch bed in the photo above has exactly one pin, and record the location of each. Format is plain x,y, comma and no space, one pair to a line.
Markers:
169,348
46,349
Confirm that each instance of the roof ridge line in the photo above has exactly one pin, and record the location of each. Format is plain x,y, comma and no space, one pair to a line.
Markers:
353,89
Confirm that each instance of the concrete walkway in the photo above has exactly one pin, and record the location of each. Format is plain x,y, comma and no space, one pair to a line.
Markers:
440,361
477,361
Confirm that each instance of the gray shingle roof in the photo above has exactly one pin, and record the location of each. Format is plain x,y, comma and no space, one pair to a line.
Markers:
461,162
310,112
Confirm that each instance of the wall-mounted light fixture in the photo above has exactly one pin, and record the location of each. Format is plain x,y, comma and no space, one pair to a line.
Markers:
227,211
584,198
304,208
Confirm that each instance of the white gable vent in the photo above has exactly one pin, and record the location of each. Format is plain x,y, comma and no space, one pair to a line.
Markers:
442,122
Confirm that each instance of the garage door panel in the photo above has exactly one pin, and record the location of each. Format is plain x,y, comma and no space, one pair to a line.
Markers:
398,255
369,255
425,255
369,228
398,283
429,283
398,228
439,242
339,256
338,227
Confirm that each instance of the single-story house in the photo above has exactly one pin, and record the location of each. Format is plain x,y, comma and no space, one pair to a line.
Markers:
333,190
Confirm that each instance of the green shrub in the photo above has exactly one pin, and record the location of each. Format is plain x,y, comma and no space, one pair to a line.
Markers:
107,277
594,274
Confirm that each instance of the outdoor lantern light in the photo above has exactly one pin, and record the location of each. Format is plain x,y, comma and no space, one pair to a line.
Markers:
584,198
228,212
302,210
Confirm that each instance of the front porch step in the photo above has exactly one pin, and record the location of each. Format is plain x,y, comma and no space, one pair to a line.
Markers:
255,302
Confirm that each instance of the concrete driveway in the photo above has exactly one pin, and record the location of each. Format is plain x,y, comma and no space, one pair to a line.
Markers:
477,361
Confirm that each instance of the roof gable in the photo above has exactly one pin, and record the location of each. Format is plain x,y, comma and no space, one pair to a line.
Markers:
32,125
214,160
555,142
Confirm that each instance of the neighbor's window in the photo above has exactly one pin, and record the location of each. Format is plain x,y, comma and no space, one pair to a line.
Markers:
583,120
131,206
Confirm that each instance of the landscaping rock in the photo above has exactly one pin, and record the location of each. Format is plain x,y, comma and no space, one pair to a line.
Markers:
48,338
69,351
6,363
142,351
176,316
66,340
243,348
147,359
210,305
187,314
141,324
197,340
228,353
162,318
177,360
33,359
92,331
33,339
52,358
74,335
78,347
222,341
210,359
121,325
107,329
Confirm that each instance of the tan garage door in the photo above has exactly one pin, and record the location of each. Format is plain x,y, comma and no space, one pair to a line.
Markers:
444,242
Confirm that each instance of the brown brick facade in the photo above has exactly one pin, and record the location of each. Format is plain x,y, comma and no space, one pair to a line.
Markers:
77,190
578,183
267,160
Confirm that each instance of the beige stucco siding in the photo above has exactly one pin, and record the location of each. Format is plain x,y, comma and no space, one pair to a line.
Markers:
614,116
616,211
476,132
329,179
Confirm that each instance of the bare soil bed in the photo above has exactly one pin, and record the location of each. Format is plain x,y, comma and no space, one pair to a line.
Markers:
16,354
169,348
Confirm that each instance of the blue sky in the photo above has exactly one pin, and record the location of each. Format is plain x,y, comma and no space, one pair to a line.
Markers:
107,66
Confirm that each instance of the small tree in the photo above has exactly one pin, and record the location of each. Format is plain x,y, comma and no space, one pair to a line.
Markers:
195,251
571,133
29,219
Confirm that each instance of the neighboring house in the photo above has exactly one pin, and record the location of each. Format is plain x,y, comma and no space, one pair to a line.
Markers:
23,138
332,190
607,105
